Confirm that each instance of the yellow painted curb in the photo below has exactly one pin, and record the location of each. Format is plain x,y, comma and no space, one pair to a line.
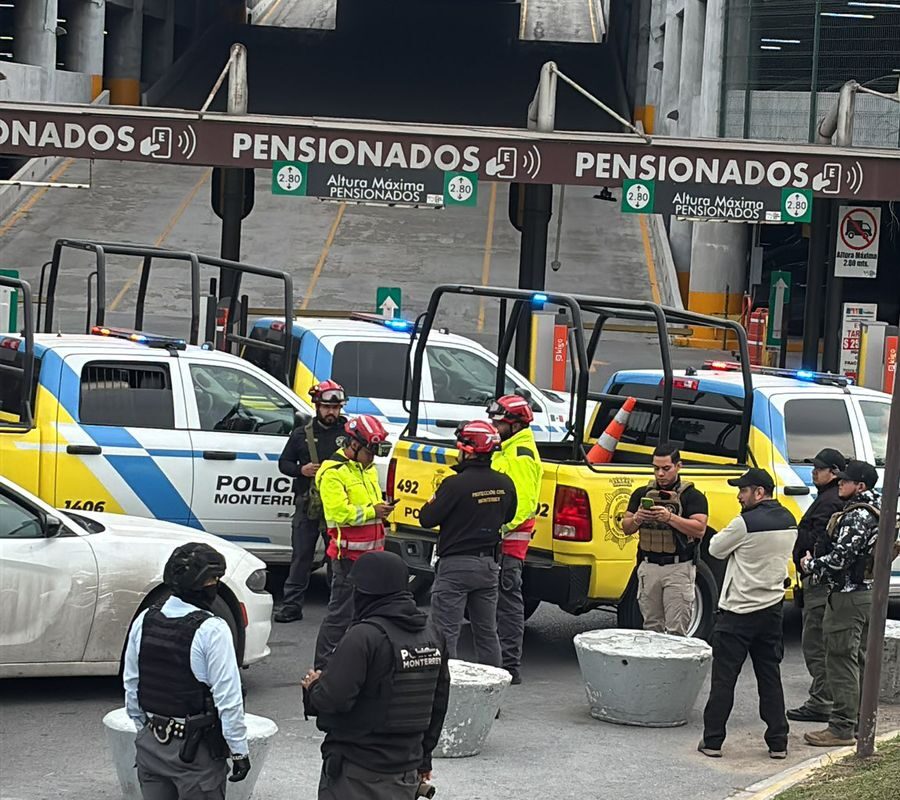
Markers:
771,787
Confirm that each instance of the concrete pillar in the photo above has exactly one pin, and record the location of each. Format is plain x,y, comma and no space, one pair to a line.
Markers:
123,55
34,42
637,57
85,40
692,56
719,249
671,75
159,45
655,41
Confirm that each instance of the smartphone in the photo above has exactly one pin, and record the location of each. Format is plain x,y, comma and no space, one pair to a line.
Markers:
647,503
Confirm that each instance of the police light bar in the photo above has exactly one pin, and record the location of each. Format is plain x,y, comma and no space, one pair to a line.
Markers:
402,325
148,339
822,378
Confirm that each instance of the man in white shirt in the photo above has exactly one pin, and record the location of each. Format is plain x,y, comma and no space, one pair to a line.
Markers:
183,688
757,545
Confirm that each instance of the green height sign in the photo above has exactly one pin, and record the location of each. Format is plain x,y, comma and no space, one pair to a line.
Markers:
796,205
638,196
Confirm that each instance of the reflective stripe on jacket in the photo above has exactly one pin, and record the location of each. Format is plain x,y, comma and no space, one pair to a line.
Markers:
349,494
519,459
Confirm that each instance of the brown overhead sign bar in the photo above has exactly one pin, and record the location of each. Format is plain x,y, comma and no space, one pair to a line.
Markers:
495,154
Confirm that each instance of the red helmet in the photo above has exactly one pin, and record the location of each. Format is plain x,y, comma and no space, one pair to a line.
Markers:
477,437
370,433
328,392
511,408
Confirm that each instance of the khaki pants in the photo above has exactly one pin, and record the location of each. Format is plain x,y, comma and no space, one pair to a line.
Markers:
666,596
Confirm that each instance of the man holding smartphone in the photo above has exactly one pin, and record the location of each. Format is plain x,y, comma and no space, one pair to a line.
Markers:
670,518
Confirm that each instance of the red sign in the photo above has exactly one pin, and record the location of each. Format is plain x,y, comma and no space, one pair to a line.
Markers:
560,357
891,344
859,229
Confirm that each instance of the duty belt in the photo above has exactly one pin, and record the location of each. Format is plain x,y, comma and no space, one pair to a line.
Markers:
665,559
164,729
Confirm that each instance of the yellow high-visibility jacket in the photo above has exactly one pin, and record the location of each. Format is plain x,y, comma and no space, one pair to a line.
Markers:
349,494
518,458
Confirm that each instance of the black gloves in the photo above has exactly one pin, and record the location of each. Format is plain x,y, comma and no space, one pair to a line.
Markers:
240,768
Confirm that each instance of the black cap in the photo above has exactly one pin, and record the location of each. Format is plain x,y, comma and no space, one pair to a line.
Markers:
380,573
860,472
754,477
829,458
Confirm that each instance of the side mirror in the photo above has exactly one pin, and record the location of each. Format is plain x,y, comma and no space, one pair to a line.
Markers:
522,392
52,526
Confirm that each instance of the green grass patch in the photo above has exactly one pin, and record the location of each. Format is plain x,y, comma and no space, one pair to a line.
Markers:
853,778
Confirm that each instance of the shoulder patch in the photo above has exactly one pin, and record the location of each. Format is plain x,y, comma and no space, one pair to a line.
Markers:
524,451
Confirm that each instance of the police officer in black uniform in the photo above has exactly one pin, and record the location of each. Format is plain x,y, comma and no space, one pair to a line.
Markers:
812,536
183,688
382,697
470,507
308,446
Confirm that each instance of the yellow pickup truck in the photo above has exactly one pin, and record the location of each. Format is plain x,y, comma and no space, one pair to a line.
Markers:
724,416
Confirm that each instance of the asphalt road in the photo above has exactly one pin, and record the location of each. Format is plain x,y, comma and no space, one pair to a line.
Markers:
545,743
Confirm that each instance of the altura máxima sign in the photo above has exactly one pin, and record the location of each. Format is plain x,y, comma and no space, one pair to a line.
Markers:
493,154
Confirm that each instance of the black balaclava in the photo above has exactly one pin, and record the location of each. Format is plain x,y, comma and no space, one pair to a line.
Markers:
189,568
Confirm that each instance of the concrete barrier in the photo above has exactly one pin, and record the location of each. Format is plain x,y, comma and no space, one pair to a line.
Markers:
890,663
640,677
476,691
120,734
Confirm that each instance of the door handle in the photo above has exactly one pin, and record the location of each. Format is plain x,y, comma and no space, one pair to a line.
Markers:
446,423
83,449
796,490
219,455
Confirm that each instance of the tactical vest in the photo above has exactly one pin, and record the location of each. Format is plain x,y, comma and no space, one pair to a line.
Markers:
657,537
166,684
403,703
314,509
862,568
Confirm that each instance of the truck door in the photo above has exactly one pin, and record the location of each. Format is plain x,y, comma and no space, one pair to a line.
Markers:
462,385
802,424
48,584
371,370
123,443
240,421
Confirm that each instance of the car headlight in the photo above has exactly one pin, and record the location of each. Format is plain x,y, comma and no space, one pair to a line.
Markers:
256,581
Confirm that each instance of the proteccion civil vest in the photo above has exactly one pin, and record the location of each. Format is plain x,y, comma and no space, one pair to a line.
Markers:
402,704
166,684
519,460
349,495
657,537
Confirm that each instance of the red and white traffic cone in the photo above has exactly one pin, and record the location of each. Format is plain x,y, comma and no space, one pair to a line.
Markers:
602,452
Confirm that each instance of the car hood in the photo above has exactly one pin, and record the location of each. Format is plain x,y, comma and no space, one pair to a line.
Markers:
167,533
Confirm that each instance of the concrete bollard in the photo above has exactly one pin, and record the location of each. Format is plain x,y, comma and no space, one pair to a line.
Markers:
475,694
120,734
890,663
640,677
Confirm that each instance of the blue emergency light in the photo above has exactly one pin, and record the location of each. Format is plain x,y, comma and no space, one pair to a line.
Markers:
538,299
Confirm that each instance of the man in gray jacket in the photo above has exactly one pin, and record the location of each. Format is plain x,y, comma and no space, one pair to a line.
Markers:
757,545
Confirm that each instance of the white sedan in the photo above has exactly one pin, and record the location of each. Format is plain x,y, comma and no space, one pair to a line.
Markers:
71,584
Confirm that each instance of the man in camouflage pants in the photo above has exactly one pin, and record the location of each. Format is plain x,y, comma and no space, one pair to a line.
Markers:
846,570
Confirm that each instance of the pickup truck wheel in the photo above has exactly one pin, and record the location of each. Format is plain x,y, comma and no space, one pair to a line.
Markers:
706,594
420,586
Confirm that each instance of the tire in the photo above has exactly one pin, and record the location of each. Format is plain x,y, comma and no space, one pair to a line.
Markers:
531,605
706,598
420,586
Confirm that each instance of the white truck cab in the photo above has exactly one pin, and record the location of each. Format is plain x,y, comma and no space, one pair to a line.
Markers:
369,357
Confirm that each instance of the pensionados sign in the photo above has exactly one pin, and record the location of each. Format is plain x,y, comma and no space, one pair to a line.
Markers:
492,154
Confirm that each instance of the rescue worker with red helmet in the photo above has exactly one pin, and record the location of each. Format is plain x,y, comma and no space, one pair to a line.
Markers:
354,518
302,455
518,458
470,507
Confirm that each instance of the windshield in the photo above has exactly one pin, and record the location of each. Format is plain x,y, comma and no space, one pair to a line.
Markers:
461,377
876,414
